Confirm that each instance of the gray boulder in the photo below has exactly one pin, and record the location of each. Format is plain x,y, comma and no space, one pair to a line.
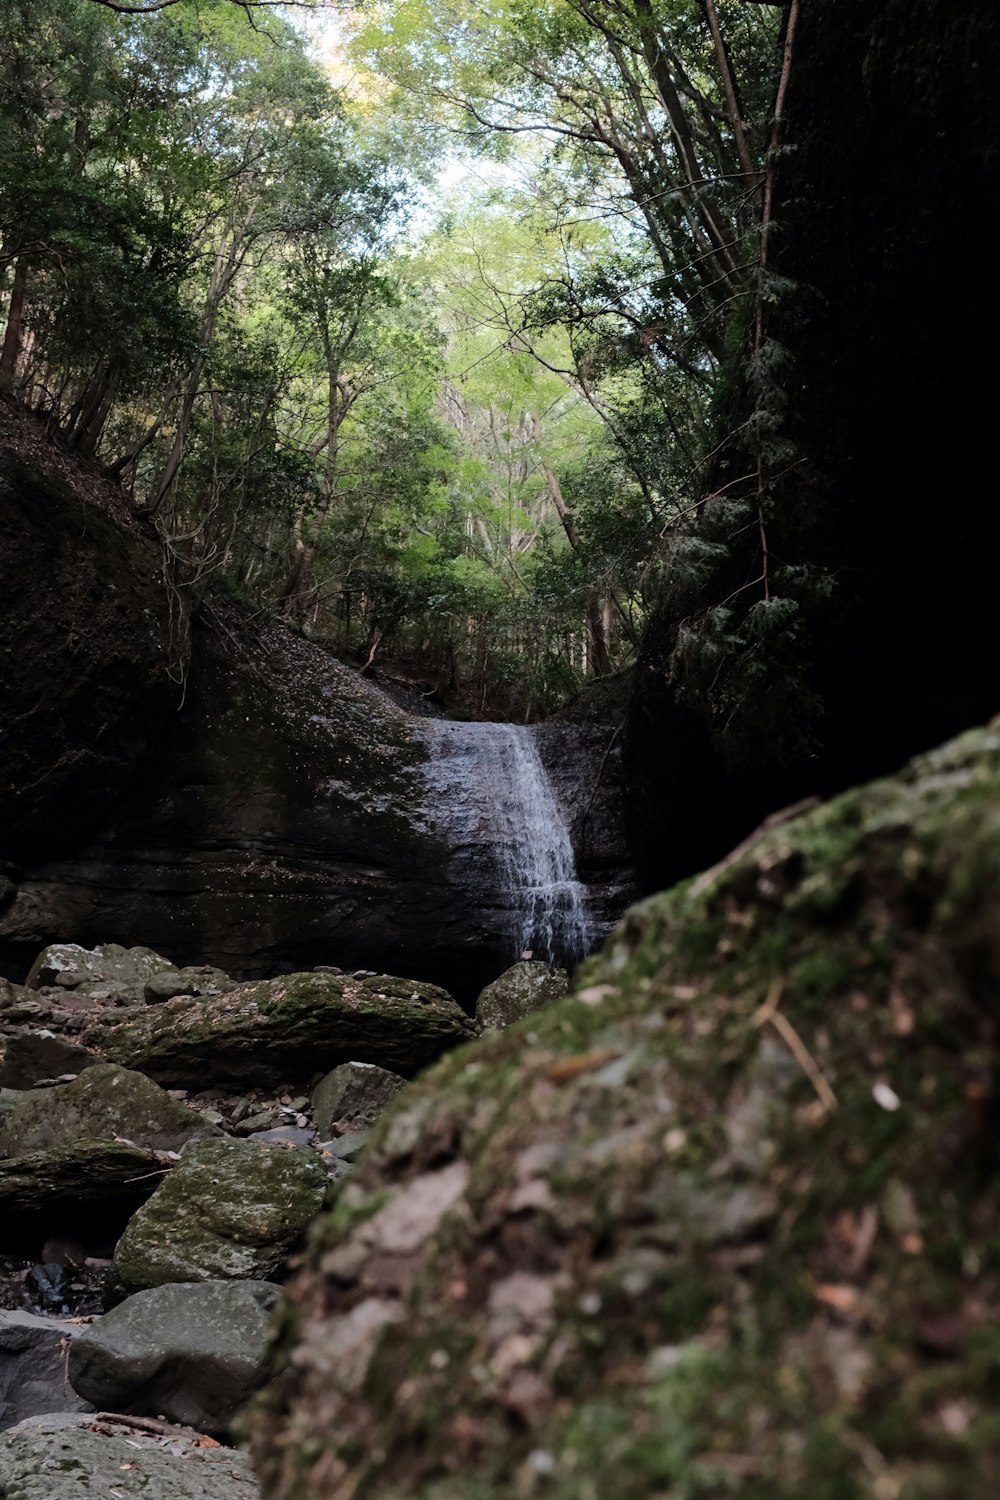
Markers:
276,1029
111,966
33,1378
32,1056
191,1352
229,1209
61,1458
105,1102
355,1091
521,989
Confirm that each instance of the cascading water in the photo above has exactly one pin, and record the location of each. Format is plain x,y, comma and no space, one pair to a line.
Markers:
497,803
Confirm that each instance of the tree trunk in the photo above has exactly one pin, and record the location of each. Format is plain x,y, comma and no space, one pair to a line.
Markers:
15,322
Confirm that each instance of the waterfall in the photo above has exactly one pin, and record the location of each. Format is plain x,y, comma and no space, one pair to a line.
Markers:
494,799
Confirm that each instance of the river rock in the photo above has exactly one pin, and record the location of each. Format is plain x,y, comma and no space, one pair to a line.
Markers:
105,1102
33,1354
229,1209
191,1352
354,1092
273,1030
671,1240
82,1458
524,987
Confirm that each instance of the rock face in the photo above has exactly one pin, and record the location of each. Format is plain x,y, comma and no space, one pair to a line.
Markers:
53,1458
229,1209
279,1029
519,990
726,1222
283,823
33,1380
88,660
191,1353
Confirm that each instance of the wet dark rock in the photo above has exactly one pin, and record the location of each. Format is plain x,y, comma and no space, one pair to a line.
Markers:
229,1209
524,987
84,1181
188,1352
83,1458
89,654
33,1355
353,1092
275,1030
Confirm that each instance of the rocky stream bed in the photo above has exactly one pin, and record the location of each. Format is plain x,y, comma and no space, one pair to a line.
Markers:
723,1221
167,1137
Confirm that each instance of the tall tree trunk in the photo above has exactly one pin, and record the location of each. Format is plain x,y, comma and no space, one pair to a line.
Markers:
11,351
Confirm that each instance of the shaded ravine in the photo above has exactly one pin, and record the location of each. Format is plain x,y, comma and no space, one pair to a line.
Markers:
492,803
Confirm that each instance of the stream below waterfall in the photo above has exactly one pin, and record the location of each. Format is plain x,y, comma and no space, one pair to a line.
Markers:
492,798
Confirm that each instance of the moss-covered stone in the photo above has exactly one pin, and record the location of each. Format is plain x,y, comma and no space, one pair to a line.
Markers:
105,1101
725,1221
276,1029
230,1209
519,990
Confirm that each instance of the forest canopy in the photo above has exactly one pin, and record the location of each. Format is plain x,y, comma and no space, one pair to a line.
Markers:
413,323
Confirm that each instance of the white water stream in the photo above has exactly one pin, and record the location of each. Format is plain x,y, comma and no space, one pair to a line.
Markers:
495,800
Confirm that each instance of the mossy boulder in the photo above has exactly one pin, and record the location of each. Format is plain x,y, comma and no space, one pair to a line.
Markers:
725,1221
519,990
276,1029
104,1101
229,1209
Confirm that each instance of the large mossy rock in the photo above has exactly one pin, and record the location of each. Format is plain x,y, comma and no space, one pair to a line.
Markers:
277,1029
105,1101
87,1458
89,659
727,1221
189,1352
229,1209
522,988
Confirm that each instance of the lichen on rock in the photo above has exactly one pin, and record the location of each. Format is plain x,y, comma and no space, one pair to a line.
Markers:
724,1221
276,1029
228,1210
